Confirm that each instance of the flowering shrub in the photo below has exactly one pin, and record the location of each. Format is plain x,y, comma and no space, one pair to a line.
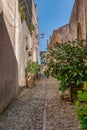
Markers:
68,63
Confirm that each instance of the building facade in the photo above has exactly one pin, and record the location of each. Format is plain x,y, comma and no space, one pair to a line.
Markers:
18,45
77,26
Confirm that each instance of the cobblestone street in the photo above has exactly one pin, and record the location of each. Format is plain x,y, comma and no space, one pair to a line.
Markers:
40,108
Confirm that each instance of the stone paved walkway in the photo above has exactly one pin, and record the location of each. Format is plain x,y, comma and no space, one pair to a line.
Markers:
40,108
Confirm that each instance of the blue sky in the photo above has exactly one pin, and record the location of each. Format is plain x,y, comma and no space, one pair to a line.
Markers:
52,14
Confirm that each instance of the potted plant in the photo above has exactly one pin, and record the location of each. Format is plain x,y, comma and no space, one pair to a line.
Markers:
31,71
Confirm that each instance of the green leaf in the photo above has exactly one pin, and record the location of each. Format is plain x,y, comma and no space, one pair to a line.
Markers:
77,103
85,85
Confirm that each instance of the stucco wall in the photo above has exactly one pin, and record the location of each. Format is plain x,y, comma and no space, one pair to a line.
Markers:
31,19
28,42
25,47
8,67
20,35
16,43
9,14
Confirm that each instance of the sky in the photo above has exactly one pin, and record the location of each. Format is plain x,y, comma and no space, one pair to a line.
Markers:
52,14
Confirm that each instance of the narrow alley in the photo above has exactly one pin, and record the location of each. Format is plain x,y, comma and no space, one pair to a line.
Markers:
40,108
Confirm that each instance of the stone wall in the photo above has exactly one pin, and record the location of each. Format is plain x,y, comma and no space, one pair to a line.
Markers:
35,34
60,35
77,27
78,20
86,17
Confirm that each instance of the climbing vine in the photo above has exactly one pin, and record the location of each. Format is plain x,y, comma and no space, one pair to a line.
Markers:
22,11
30,27
23,17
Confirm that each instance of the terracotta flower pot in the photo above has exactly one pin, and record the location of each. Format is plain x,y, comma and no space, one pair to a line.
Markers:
30,80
